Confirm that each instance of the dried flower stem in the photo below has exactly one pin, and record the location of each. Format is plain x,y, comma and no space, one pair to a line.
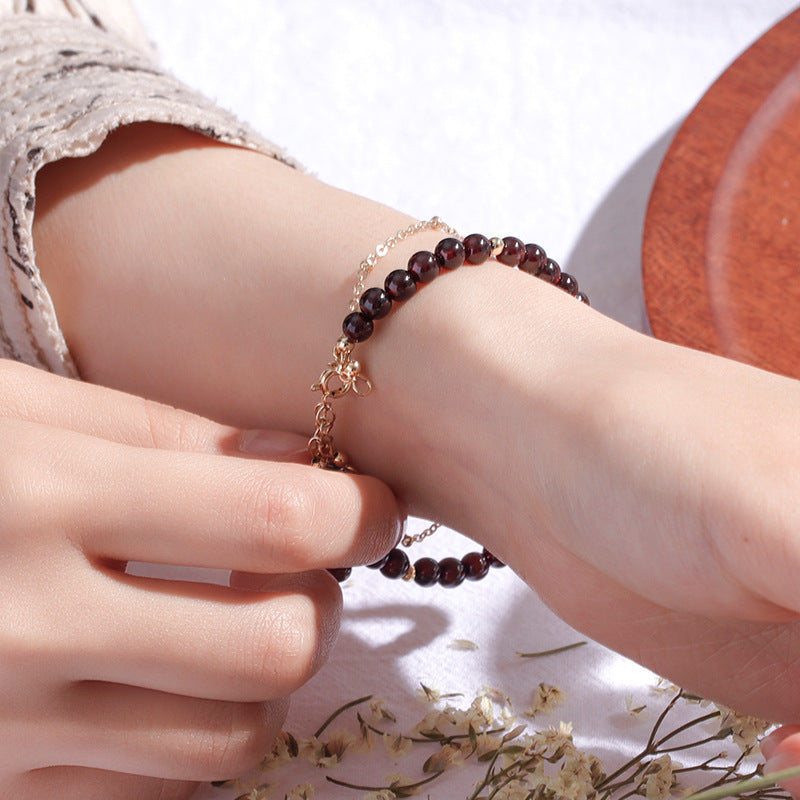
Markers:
339,711
747,785
554,651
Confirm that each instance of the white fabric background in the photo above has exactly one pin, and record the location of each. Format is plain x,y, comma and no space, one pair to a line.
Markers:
544,119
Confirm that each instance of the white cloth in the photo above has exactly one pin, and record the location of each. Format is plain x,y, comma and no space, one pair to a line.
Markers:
546,120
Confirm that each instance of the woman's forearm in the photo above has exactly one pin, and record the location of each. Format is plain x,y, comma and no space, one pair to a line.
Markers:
217,280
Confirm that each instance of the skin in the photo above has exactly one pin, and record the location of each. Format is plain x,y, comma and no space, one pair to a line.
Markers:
646,492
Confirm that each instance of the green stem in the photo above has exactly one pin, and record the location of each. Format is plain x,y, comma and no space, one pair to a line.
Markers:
747,785
405,787
552,652
648,749
338,711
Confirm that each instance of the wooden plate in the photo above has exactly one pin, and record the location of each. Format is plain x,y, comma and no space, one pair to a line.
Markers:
721,252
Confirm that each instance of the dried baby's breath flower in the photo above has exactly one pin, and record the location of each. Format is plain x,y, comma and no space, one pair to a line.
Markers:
497,696
428,694
327,754
447,757
381,794
462,644
512,791
545,699
634,711
553,741
380,712
303,791
397,779
573,781
340,742
397,745
485,743
364,740
481,712
663,686
427,725
284,749
744,730
659,778
260,792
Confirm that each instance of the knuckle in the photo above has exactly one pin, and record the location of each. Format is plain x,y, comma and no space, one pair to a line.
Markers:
286,644
171,429
32,481
236,738
277,512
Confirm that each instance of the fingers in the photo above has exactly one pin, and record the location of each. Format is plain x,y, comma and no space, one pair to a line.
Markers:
80,783
203,640
781,749
36,396
203,510
131,730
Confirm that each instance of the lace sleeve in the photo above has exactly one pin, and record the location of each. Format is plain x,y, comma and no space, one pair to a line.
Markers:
71,71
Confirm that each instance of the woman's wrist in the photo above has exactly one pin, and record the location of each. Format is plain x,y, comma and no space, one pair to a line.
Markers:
216,279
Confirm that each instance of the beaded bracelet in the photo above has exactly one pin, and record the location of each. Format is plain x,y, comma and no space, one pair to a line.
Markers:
344,374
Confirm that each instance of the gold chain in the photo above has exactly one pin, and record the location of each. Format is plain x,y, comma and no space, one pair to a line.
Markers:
343,373
382,250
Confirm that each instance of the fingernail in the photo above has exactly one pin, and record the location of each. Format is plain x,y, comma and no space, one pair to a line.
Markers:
768,746
272,444
779,763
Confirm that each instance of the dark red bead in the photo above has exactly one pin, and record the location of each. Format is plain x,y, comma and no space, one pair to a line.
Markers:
400,284
356,327
375,303
475,566
450,252
568,283
424,266
451,572
341,573
493,560
477,248
380,562
535,259
426,571
550,271
513,253
396,564
583,298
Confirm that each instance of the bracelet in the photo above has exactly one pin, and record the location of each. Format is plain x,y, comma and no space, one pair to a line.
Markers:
344,374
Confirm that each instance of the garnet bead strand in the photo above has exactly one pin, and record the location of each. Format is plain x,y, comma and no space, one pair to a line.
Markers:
535,259
426,571
424,266
477,248
357,327
376,303
400,284
396,564
550,271
451,572
450,253
476,566
568,283
513,252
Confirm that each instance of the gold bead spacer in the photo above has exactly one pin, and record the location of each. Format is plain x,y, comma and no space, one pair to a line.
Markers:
498,245
411,574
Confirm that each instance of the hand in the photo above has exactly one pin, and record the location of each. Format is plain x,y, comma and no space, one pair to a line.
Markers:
103,673
648,493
